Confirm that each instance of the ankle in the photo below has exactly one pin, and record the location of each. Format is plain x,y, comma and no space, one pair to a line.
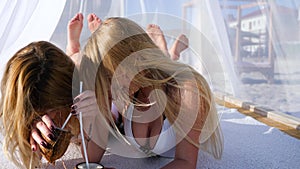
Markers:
72,49
167,54
174,55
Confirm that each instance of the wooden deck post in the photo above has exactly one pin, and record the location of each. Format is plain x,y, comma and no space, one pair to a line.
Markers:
270,40
238,36
270,74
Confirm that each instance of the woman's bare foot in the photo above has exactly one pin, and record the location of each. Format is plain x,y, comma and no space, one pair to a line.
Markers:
74,31
157,36
181,43
93,22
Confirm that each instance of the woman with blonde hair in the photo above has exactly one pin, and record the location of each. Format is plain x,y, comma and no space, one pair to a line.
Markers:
37,94
166,107
37,81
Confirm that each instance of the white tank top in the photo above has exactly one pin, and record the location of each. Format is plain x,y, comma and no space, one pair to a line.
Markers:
165,144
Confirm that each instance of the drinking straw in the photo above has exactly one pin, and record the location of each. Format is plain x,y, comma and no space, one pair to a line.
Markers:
81,129
82,134
67,120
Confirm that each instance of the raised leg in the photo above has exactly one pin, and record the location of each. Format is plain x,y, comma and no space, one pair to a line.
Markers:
157,36
181,43
74,31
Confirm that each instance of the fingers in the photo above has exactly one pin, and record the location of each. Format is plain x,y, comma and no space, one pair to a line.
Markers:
87,98
49,123
84,95
37,138
44,126
33,144
86,102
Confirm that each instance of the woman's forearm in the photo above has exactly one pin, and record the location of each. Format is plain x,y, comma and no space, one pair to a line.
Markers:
94,151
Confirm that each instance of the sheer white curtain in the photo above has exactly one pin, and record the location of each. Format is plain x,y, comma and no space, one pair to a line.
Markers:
265,41
202,22
102,8
215,51
24,21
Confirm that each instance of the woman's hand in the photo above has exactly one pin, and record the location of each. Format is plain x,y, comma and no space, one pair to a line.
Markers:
86,103
95,130
43,126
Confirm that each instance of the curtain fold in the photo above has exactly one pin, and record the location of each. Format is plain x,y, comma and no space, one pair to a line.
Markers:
14,17
215,48
25,21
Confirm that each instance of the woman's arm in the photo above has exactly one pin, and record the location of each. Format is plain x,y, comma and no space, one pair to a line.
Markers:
96,133
94,151
193,114
186,154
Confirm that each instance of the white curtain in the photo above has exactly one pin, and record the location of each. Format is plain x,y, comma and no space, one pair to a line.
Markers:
102,8
202,22
265,42
207,17
24,21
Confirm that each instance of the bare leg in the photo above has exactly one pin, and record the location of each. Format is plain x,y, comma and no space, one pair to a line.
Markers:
74,31
93,22
157,36
181,43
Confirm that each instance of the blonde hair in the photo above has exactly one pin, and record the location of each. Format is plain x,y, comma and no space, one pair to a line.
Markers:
121,45
36,79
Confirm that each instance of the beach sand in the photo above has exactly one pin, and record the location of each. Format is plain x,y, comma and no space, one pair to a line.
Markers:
247,144
283,95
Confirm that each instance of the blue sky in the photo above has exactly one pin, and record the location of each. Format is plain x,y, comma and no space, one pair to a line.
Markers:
289,3
167,6
174,7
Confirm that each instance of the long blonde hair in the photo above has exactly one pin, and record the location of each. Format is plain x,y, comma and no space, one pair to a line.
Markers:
120,45
36,79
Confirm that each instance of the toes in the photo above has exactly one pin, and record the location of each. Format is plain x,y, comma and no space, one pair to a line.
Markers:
99,20
80,16
90,17
155,26
151,26
93,17
96,18
77,17
154,29
183,39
